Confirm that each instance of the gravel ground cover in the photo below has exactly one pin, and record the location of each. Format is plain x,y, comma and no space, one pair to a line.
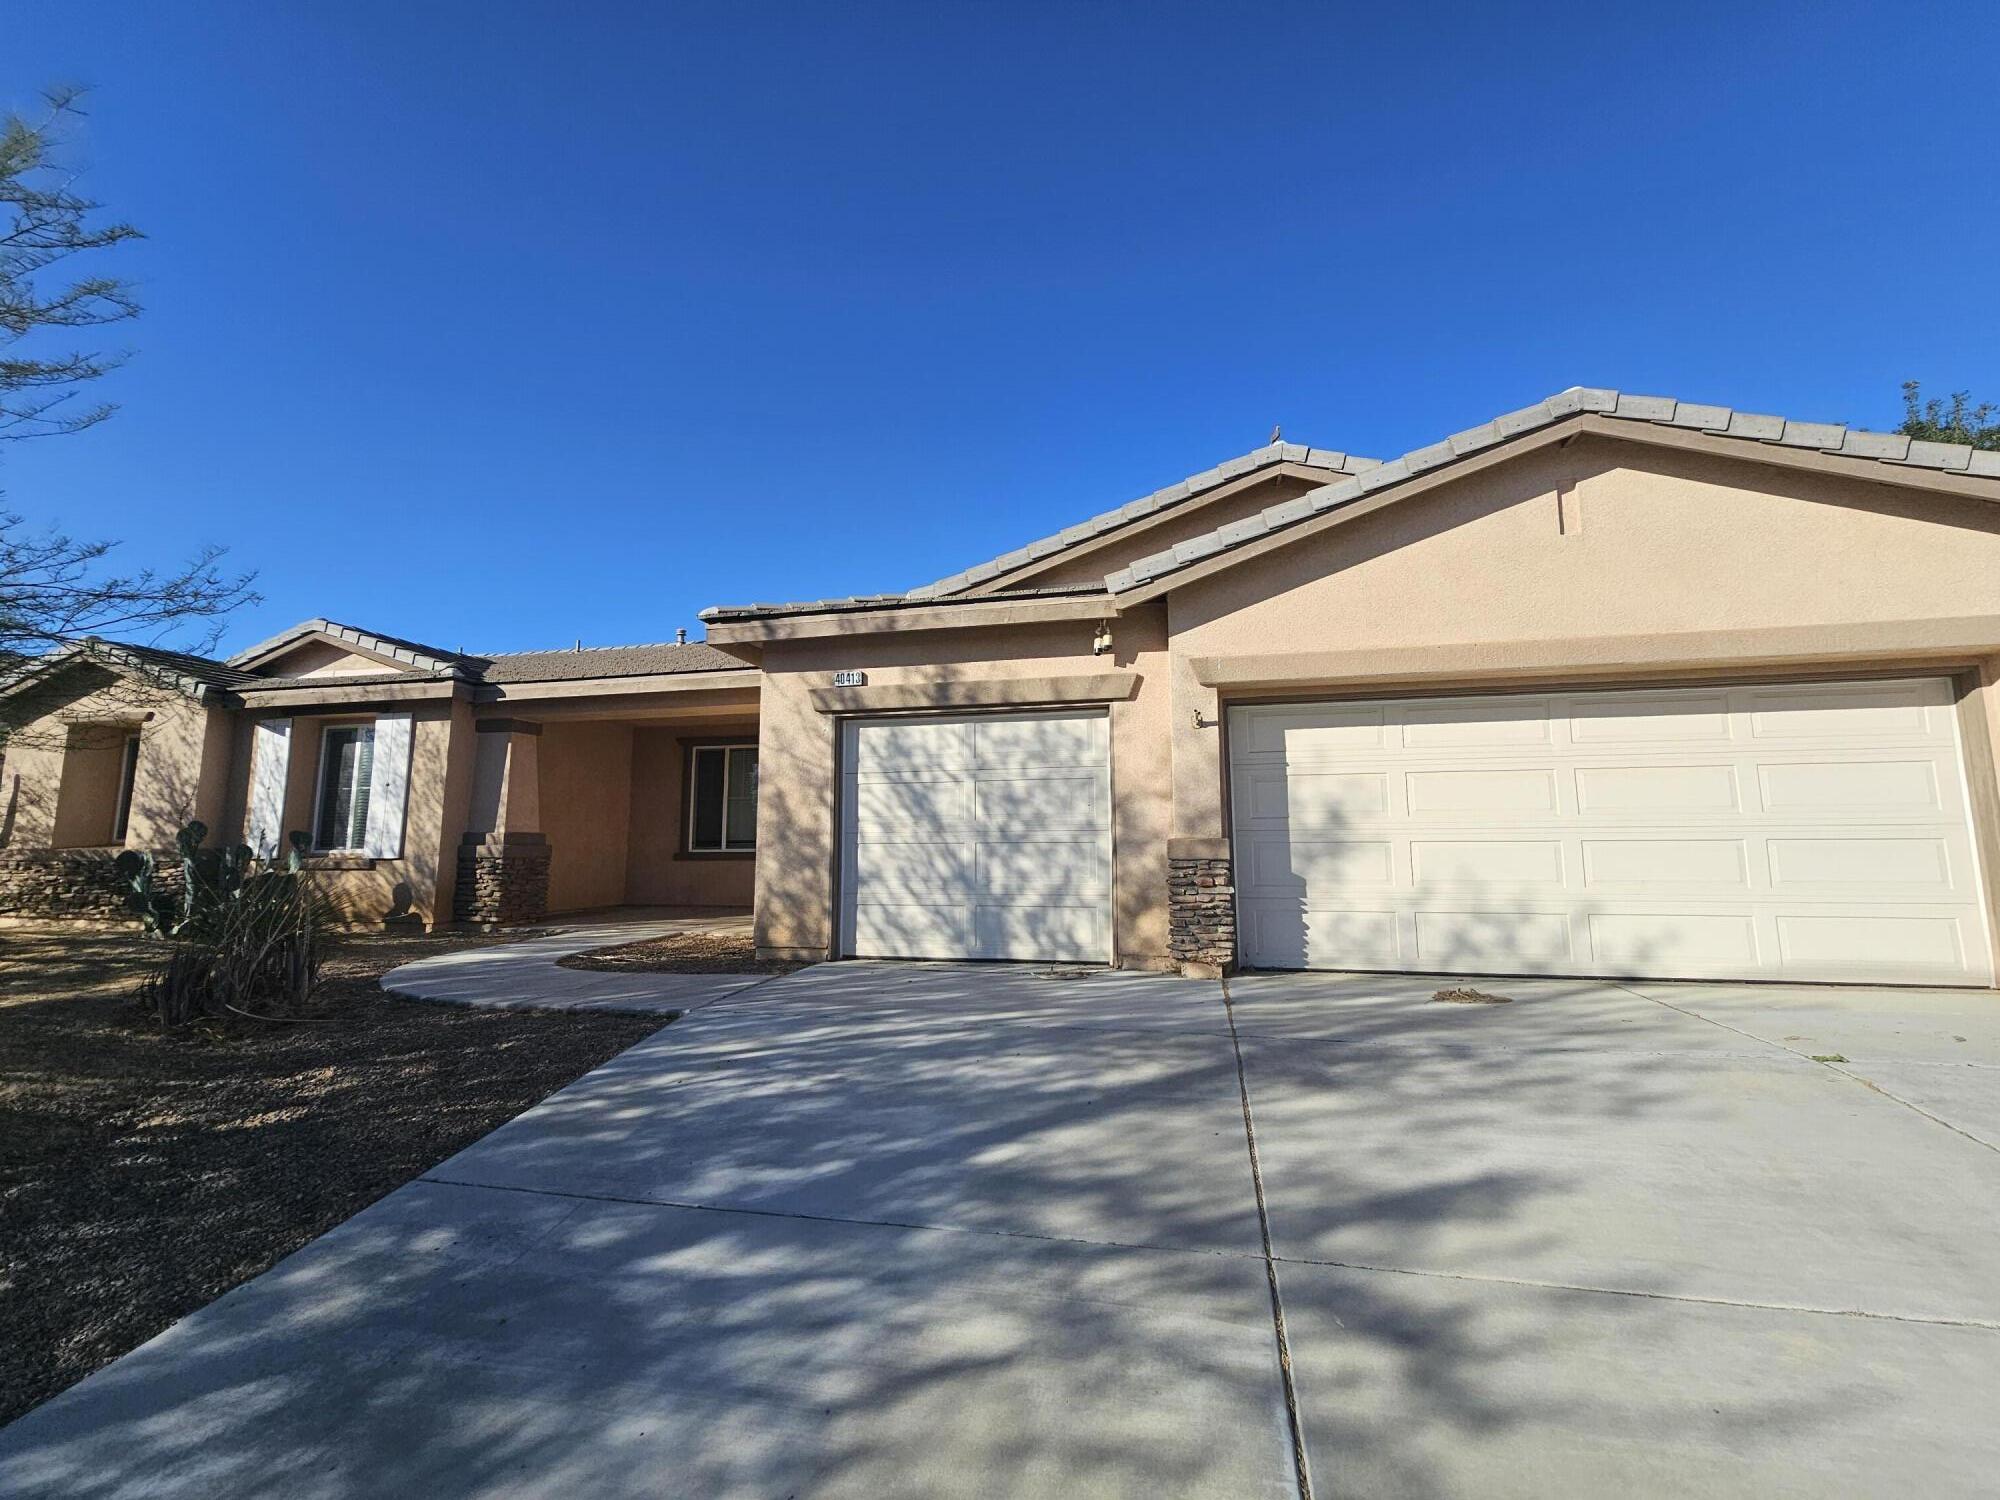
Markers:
144,1173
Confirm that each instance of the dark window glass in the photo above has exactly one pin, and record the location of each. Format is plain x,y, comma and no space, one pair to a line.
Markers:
710,778
348,758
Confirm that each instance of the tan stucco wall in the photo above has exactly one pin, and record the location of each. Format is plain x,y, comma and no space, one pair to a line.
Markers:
658,873
329,659
796,763
63,764
586,796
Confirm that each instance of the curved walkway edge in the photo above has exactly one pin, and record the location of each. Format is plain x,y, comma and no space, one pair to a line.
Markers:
526,976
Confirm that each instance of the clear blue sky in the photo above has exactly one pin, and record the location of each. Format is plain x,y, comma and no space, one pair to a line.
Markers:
499,324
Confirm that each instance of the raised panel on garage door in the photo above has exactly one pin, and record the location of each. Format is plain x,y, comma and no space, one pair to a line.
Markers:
979,836
1769,831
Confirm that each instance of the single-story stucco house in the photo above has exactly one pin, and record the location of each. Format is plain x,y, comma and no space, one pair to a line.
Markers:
1612,684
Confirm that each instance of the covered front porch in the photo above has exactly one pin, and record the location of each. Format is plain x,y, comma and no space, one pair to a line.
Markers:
583,806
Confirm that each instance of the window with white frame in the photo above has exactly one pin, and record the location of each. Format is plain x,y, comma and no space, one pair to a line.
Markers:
722,799
346,760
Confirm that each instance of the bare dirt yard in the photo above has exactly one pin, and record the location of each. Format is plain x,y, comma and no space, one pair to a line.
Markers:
144,1173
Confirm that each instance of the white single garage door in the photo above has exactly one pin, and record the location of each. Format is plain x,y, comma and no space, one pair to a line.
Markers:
977,836
1784,831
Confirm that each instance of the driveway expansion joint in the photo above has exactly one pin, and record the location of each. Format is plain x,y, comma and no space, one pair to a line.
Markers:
1293,1418
1845,1072
1988,1324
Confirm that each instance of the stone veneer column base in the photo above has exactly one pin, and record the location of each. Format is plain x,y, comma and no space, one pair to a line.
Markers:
503,880
74,884
1201,907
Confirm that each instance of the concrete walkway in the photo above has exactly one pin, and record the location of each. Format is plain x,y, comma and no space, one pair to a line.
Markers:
526,976
931,1230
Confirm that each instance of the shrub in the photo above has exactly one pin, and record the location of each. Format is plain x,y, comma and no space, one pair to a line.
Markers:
246,935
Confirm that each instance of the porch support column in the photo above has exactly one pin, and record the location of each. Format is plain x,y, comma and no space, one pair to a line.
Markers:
503,862
1201,883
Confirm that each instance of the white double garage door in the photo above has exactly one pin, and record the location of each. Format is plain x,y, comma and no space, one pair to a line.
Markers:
1785,831
977,836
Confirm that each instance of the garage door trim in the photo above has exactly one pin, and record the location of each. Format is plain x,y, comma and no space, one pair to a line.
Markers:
845,853
1843,749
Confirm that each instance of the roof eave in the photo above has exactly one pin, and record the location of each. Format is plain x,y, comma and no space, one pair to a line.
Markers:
1491,444
918,615
107,654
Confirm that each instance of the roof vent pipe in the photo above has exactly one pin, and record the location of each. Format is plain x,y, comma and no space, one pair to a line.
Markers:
681,636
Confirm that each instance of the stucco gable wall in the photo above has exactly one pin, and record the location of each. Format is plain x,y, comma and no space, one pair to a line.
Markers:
1606,539
324,658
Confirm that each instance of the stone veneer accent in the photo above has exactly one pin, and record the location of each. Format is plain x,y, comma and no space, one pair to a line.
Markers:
1201,910
73,883
502,881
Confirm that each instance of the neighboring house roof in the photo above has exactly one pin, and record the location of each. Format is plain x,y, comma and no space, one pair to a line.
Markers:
199,677
1751,429
415,653
861,603
1174,495
657,659
207,679
602,661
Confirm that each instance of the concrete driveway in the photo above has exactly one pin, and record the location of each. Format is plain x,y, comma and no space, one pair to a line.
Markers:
879,1230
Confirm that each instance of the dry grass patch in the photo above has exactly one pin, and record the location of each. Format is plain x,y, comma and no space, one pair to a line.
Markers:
145,1172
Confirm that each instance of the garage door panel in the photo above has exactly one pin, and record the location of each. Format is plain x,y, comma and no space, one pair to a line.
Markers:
1010,743
1874,943
1488,722
913,746
1315,799
1694,944
1471,939
1666,860
1070,934
1030,804
1502,791
1299,736
1652,790
1040,870
1279,866
1355,937
1920,866
977,836
1797,831
925,874
1852,787
897,809
908,930
1489,863
1892,711
1655,720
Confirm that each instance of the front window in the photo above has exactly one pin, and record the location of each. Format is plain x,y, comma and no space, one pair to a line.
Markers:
722,807
347,756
